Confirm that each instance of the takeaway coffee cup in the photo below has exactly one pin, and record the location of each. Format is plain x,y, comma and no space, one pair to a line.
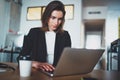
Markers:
25,65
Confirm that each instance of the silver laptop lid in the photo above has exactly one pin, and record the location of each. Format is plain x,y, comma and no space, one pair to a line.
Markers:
77,61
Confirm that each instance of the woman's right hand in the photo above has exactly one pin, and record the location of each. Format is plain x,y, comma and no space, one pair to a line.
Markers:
42,66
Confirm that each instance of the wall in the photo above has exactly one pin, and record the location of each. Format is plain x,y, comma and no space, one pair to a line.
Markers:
111,29
9,19
112,21
73,26
110,12
97,12
4,21
15,17
112,9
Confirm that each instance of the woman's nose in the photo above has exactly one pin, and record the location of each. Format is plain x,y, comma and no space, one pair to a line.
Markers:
56,22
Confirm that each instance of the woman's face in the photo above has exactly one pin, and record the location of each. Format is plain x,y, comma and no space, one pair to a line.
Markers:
55,20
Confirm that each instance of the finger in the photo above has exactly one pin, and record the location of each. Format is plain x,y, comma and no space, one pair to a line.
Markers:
47,68
51,67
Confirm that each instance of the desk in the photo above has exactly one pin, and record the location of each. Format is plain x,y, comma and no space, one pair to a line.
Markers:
37,75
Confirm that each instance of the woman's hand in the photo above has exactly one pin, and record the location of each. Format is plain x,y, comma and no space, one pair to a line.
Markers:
42,66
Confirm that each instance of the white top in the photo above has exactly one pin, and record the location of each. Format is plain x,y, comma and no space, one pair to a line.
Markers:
50,42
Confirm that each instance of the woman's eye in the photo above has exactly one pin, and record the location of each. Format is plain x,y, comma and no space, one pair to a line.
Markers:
53,17
60,19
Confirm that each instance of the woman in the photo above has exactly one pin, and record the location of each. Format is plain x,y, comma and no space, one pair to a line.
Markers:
45,44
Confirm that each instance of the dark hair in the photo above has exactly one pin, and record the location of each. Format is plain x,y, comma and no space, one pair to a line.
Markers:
54,5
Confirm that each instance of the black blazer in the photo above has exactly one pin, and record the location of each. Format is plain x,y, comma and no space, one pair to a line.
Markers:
35,45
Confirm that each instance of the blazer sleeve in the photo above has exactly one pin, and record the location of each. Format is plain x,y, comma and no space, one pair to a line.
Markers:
27,43
67,40
25,49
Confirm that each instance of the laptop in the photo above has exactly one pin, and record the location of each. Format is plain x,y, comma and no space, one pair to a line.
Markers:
74,61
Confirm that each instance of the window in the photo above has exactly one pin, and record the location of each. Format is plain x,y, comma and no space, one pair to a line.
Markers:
35,13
